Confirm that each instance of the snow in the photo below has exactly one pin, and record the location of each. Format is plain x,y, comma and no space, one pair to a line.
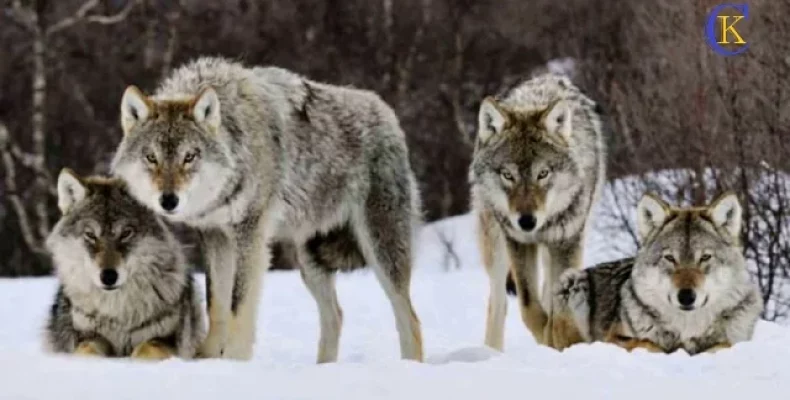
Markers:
451,303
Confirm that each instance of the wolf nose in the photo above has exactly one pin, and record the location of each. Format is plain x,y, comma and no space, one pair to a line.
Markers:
527,222
169,201
108,277
686,297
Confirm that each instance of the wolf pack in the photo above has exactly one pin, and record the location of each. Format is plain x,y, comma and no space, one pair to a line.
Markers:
249,156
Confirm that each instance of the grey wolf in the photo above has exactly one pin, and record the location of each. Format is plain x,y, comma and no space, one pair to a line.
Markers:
254,155
124,287
537,169
686,288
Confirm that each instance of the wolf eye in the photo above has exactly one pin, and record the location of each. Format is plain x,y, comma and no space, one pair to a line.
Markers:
543,173
190,156
126,234
705,257
89,236
506,175
670,258
151,158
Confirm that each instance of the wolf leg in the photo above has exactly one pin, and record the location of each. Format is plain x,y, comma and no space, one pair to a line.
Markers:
494,256
93,347
320,283
384,233
153,350
253,260
523,264
220,257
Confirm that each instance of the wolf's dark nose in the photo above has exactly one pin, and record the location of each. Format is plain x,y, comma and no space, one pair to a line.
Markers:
686,297
527,222
108,277
169,201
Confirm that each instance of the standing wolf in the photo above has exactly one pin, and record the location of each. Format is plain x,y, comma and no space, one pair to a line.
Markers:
687,288
537,169
125,289
253,155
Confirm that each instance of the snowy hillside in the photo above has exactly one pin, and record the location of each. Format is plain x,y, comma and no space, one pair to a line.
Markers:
451,305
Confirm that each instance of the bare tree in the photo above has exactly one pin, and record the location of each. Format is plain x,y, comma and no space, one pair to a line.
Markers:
30,17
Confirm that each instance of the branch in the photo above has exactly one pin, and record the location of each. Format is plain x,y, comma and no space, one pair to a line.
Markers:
81,15
172,38
450,257
116,18
78,16
31,161
21,16
452,98
13,195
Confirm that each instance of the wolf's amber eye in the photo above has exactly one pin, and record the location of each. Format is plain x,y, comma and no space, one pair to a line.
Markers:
126,234
705,257
506,175
543,173
189,157
670,258
89,236
151,158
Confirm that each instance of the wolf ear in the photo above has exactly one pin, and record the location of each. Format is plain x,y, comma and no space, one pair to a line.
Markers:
650,214
135,108
490,120
206,108
558,120
726,213
70,190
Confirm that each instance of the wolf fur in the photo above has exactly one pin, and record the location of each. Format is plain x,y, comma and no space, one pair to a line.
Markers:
252,155
687,288
537,169
148,307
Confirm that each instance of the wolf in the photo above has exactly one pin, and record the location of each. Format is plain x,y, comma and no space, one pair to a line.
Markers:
687,288
537,170
124,286
252,155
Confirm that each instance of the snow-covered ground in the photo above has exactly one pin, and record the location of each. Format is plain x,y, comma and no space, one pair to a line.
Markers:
451,305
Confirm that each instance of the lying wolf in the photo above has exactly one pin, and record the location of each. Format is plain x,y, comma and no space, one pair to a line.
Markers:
124,289
687,288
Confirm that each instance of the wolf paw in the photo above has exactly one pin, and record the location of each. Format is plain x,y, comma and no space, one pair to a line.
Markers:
573,285
91,349
213,347
152,351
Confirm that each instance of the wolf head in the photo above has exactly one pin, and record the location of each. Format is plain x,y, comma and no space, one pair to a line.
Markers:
689,258
173,155
523,166
104,238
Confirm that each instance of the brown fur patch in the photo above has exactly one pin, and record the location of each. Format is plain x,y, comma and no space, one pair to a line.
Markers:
688,278
168,181
152,350
91,348
524,199
535,319
173,110
564,332
106,258
719,347
530,123
615,336
634,344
